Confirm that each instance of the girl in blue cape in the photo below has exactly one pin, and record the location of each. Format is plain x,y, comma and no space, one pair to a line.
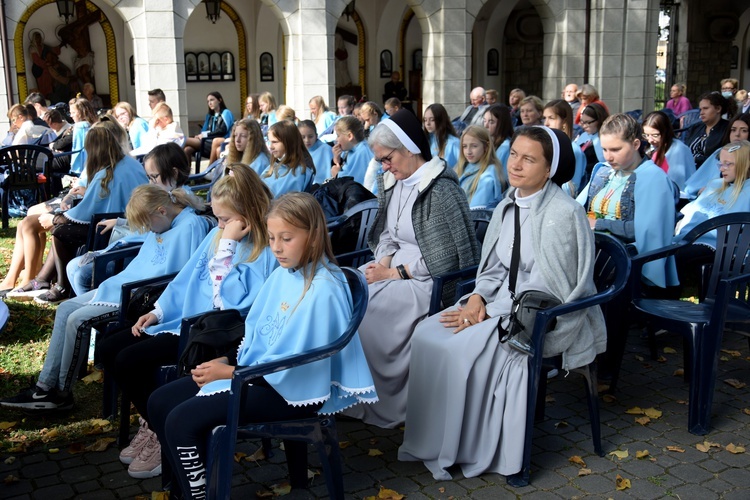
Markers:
289,170
166,166
226,272
559,115
728,194
305,304
479,171
351,154
112,175
246,145
321,153
499,124
632,198
444,142
670,154
173,231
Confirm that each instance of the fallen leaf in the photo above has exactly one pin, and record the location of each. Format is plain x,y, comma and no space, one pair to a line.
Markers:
101,422
386,494
561,423
675,448
10,479
746,411
6,425
584,472
373,441
54,450
682,401
621,483
549,399
374,452
641,454
712,444
100,444
653,413
679,372
312,473
441,489
159,495
239,456
609,398
19,448
702,447
620,454
142,497
281,489
257,456
734,354
264,494
97,376
669,350
50,435
575,459
9,460
732,448
642,420
735,383
661,359
638,358
724,358
634,411
76,448
344,444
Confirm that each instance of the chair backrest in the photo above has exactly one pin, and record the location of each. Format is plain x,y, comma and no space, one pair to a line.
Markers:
612,265
688,118
481,218
349,232
21,165
732,256
636,114
95,240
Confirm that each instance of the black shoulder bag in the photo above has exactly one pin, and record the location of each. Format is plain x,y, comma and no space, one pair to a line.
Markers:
215,334
527,304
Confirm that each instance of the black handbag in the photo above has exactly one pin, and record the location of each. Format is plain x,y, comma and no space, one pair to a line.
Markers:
215,334
525,305
142,301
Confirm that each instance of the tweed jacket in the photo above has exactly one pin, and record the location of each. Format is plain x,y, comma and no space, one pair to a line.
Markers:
444,231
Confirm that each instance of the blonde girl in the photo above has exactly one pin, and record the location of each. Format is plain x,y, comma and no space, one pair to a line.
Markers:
320,114
227,271
478,169
290,305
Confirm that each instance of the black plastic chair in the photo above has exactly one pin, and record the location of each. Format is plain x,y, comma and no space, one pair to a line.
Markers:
95,240
343,237
481,218
199,152
724,301
319,431
687,119
20,164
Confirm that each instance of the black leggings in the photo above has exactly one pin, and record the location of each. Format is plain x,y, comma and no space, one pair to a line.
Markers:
134,361
183,423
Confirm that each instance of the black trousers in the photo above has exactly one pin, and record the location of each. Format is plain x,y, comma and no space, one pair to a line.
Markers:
183,422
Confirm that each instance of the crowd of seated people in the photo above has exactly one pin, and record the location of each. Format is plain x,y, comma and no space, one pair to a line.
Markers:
527,160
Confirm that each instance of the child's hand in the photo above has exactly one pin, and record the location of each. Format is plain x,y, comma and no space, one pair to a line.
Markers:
144,321
235,230
45,220
216,369
106,225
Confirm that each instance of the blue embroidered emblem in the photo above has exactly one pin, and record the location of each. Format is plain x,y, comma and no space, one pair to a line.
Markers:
273,328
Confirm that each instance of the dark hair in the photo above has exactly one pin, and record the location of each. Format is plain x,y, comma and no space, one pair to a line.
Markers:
171,162
158,93
308,124
54,116
562,109
443,126
504,123
661,122
36,98
597,112
217,95
744,117
350,100
716,99
566,161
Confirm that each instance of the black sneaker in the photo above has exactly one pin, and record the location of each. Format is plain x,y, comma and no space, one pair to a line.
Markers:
38,399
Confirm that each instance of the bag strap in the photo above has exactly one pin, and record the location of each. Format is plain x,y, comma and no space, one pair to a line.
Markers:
515,257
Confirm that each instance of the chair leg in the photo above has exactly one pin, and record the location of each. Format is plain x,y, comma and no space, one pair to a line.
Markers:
704,361
296,461
331,441
590,383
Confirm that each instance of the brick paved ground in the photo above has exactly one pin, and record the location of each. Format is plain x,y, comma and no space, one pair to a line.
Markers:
646,383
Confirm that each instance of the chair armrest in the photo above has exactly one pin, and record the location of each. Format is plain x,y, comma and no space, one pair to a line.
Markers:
721,303
102,260
185,329
637,263
439,281
348,259
127,290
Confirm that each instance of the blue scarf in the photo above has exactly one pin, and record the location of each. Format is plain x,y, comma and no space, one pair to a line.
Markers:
282,322
160,254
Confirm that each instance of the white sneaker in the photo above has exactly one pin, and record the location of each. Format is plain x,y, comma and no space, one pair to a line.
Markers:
128,454
148,462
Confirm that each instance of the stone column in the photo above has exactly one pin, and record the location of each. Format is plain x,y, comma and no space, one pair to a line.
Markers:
158,27
308,38
446,42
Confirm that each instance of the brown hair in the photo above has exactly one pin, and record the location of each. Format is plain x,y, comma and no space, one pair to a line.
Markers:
295,156
103,151
255,145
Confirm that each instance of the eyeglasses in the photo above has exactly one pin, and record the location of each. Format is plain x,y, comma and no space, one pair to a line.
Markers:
726,164
387,159
651,136
589,122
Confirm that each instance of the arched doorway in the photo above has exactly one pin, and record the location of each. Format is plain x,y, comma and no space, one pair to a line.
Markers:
349,39
523,50
410,55
89,14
